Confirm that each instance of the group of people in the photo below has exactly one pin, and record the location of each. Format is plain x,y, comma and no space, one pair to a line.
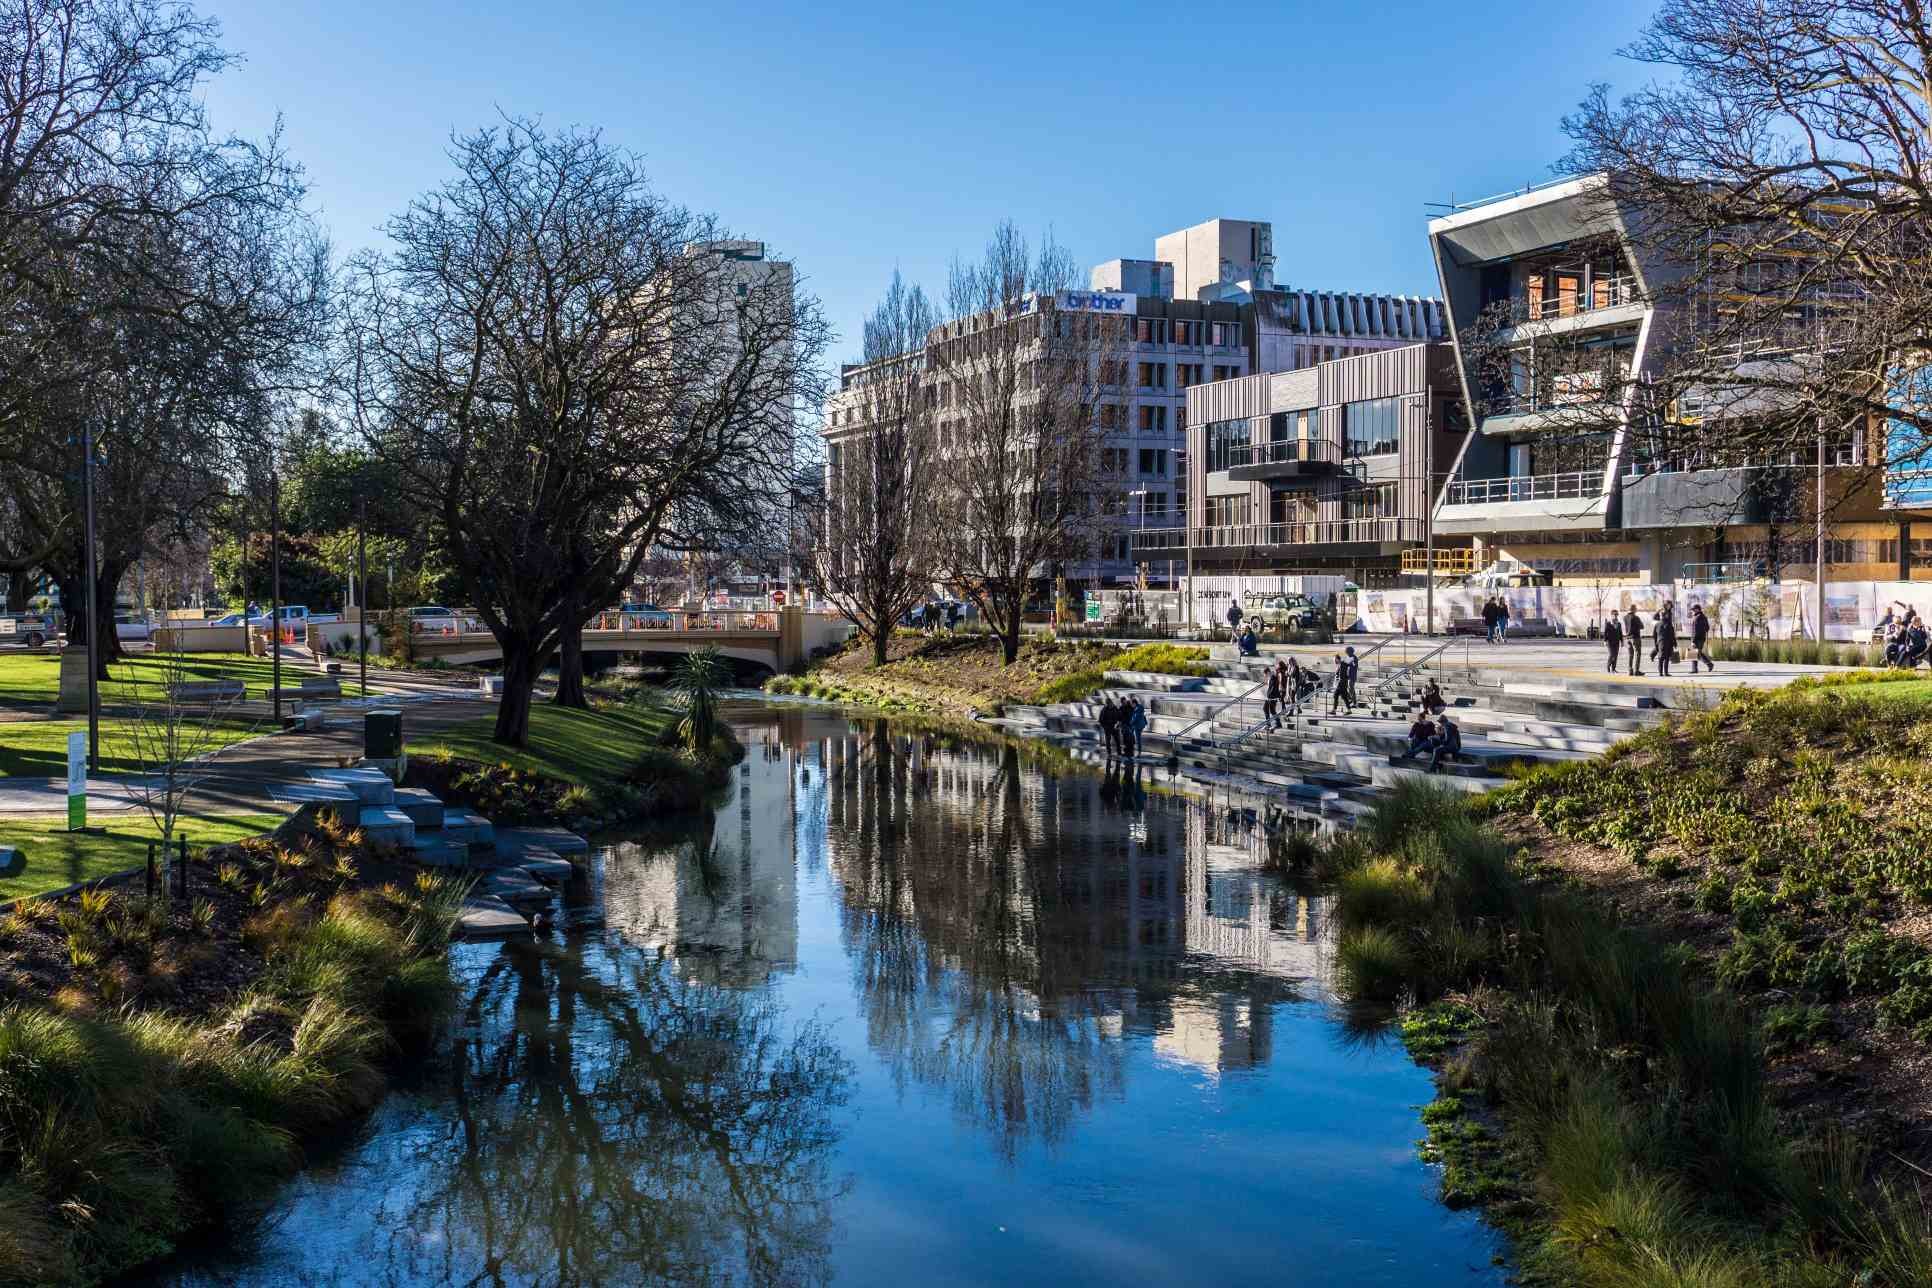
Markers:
1906,638
932,615
1288,683
1121,725
1496,620
1625,636
1433,732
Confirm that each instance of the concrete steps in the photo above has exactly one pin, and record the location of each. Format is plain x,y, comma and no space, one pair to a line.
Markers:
371,786
386,825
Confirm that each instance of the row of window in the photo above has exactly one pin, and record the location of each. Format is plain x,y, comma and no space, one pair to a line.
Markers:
1185,331
1153,461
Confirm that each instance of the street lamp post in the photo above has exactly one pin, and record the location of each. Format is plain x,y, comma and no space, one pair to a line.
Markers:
93,604
275,590
362,594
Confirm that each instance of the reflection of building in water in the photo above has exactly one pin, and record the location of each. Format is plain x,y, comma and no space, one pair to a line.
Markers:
1151,913
725,906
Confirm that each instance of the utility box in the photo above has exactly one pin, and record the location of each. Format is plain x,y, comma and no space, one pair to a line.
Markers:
382,734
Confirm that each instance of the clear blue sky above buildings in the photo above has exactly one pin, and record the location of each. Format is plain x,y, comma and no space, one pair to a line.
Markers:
861,137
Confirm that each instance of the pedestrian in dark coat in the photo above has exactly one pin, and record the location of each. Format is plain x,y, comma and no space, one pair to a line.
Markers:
1700,632
1633,641
1613,640
1666,638
1110,725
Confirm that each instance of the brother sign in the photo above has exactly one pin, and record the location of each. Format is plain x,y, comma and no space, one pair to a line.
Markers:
1095,301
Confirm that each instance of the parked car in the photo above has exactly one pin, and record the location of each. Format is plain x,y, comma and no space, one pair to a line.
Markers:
1297,611
132,628
296,615
646,617
231,619
433,619
30,629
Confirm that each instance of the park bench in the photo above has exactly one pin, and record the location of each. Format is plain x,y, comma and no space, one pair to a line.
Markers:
320,687
1468,626
206,692
1532,627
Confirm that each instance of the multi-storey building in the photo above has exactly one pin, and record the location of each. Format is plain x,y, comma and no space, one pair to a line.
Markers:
1320,470
1205,310
1570,314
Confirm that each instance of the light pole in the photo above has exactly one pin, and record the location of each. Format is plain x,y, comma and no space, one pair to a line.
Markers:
93,604
275,589
362,595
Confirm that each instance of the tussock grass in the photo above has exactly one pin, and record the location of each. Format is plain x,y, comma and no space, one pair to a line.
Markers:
1633,1089
123,1129
1160,659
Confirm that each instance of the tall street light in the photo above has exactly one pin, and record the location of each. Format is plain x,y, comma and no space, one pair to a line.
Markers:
93,604
275,587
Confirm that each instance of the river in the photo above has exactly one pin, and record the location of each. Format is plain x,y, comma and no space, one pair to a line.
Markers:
909,1009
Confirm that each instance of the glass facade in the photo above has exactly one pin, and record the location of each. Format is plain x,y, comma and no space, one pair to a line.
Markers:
1223,437
1371,428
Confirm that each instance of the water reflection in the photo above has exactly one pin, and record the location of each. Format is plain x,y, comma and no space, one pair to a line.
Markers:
907,1008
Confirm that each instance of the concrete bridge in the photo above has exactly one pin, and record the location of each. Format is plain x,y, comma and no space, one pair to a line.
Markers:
773,639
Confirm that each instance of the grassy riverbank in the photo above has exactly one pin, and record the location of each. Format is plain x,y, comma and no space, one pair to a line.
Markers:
57,857
613,762
965,675
163,1066
1688,994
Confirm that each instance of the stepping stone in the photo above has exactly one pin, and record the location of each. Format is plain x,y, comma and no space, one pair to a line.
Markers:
423,807
387,824
433,853
514,841
545,866
483,917
477,829
514,886
370,786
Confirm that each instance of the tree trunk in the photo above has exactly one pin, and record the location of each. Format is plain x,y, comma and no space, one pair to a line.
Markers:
570,668
106,582
18,585
1010,631
519,678
881,637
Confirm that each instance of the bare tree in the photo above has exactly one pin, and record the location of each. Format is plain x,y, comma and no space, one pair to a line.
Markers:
1779,183
567,372
870,548
1025,483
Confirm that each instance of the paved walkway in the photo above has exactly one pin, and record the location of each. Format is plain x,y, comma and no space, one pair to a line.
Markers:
242,773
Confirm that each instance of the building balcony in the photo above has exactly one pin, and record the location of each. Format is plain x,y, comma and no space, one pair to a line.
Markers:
1570,501
1601,293
1340,538
1288,458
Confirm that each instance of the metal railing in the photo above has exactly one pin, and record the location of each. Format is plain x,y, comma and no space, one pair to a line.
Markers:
1412,655
681,620
1450,561
1603,293
1287,451
1329,532
1575,485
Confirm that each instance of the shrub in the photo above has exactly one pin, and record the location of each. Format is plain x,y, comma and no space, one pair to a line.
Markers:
1372,964
1381,893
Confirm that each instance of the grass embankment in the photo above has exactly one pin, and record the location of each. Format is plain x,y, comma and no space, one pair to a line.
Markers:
966,675
1620,1098
163,1066
57,857
613,762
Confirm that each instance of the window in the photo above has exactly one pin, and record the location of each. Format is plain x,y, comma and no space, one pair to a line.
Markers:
1227,511
1153,462
1370,502
1187,333
1153,420
1113,372
1152,375
1226,335
1224,436
1371,428
1226,372
1150,330
1113,460
1180,419
1112,416
1188,373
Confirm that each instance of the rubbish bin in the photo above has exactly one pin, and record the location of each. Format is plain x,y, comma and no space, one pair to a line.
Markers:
382,734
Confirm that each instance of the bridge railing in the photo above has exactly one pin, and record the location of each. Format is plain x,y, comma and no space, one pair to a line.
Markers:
683,620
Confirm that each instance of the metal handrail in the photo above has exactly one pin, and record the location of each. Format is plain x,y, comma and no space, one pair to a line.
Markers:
1575,485
1411,668
1216,713
1291,706
1282,451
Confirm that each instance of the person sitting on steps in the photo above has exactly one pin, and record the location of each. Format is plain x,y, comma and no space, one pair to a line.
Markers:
1421,735
1447,742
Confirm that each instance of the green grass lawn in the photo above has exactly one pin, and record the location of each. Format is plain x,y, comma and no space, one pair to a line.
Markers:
57,857
589,747
38,748
29,679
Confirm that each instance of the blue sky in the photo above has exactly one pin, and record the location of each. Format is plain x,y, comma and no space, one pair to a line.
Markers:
861,137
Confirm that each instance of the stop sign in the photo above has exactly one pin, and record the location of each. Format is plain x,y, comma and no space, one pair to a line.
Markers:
778,597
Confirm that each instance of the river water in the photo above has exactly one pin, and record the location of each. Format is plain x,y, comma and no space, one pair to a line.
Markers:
910,1010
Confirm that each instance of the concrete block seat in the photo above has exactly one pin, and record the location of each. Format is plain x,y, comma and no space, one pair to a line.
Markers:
512,842
467,826
1158,681
1389,776
546,867
424,808
315,793
207,692
370,786
386,825
515,887
432,851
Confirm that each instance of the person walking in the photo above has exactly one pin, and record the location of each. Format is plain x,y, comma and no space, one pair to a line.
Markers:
1613,640
1633,640
1666,641
1110,726
1489,619
1234,618
1700,627
1136,724
1271,698
1502,620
